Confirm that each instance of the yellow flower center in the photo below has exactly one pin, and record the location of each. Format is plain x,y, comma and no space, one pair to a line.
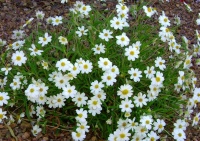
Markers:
160,126
123,7
85,66
167,30
80,115
32,90
84,8
41,89
1,98
147,121
82,127
105,63
187,62
149,9
117,23
18,58
165,19
94,102
57,20
78,134
122,39
62,64
152,139
158,79
108,77
44,39
122,135
125,92
196,119
96,86
132,52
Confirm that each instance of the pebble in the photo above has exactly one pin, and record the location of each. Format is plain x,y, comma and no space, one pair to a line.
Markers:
26,135
45,139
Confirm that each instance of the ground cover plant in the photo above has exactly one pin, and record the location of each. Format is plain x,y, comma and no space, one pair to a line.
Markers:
122,76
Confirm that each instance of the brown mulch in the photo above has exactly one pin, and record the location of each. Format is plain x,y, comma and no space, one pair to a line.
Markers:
14,13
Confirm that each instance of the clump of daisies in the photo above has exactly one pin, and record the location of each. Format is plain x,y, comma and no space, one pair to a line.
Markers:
102,74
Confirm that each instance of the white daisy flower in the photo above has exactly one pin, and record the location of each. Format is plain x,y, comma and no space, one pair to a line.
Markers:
146,121
179,134
4,98
149,11
126,105
18,58
81,115
122,134
150,71
163,20
104,63
98,49
86,67
78,135
40,15
63,40
114,70
125,91
159,125
152,136
64,1
45,40
6,70
132,53
140,100
80,99
81,31
35,51
36,129
69,91
158,79
96,87
135,74
64,65
106,35
59,100
57,20
122,40
159,62
108,78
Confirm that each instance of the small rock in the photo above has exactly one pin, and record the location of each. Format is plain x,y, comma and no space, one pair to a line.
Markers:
47,8
5,8
94,138
13,125
45,139
26,135
1,126
25,124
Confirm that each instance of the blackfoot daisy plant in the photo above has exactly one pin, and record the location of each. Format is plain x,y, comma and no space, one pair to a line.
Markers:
126,78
